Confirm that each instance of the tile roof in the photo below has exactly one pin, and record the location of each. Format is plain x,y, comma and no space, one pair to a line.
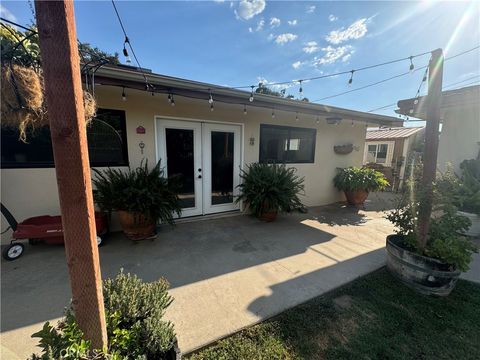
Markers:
392,133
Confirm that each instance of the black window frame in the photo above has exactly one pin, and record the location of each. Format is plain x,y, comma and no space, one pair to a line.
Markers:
289,130
48,165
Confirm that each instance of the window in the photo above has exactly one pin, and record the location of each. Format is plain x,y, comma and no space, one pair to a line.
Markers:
377,153
284,144
106,135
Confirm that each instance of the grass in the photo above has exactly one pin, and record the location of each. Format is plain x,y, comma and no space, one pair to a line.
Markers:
374,317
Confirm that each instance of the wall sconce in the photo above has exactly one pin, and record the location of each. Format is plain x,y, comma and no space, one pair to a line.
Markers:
334,120
252,141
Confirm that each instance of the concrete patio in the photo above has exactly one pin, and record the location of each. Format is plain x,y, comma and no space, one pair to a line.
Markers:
225,273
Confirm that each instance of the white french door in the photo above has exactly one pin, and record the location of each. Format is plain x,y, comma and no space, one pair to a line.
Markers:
206,158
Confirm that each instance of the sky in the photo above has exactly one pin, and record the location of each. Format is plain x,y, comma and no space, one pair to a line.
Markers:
237,43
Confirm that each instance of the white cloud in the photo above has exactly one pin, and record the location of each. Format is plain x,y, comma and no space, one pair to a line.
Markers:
292,22
297,64
250,30
270,37
311,47
355,31
274,22
311,9
7,14
284,38
277,87
332,54
332,17
247,9
260,25
347,57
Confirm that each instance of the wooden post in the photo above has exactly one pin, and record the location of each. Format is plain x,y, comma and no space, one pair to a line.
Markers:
434,100
64,96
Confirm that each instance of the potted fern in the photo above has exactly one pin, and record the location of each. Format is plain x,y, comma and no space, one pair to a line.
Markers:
141,196
357,182
269,188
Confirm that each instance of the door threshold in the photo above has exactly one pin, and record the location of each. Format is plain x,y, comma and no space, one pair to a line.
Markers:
209,216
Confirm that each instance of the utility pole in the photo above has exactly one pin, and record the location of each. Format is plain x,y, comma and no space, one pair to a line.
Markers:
434,101
64,96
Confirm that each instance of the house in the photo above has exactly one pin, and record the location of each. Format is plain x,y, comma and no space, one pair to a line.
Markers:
204,132
460,119
388,150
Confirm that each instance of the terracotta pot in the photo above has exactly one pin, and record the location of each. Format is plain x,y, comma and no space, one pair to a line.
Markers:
136,226
424,274
356,197
268,216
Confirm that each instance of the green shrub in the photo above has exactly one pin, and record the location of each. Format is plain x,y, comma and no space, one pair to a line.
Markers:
355,178
136,330
141,190
270,187
445,241
469,190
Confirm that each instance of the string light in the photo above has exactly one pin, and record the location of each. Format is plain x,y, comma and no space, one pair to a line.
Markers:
251,94
411,64
210,100
172,100
169,98
244,109
296,116
350,81
353,124
318,120
273,114
300,90
211,106
124,96
125,52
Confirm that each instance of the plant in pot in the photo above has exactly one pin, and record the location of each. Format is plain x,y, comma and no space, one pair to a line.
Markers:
358,182
270,188
141,196
432,269
136,329
468,195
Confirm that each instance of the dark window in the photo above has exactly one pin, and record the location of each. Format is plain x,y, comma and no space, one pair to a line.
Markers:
285,144
106,135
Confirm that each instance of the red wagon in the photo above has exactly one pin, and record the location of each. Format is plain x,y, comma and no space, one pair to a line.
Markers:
43,229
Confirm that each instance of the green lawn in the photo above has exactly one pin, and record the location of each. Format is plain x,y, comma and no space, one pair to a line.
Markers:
374,317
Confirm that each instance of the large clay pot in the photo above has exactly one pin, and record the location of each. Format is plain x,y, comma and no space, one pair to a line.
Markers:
424,274
268,216
356,197
136,226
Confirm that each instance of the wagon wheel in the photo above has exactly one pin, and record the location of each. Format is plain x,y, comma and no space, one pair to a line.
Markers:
13,251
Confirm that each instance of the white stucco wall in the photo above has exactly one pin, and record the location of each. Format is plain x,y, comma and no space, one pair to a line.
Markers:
460,136
31,192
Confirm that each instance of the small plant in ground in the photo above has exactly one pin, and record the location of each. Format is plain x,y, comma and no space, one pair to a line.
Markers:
445,241
356,178
136,330
270,188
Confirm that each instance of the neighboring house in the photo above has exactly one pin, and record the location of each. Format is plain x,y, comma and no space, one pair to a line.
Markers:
460,119
389,150
206,143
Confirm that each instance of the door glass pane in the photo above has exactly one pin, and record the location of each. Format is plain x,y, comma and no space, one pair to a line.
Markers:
222,167
181,163
382,153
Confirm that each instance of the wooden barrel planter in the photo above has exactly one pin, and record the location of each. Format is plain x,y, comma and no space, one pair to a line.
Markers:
425,275
268,216
135,226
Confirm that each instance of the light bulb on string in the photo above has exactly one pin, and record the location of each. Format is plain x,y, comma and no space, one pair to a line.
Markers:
125,51
172,100
251,94
273,114
296,117
210,99
211,106
350,81
318,120
300,90
412,67
353,124
124,96
169,98
244,109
